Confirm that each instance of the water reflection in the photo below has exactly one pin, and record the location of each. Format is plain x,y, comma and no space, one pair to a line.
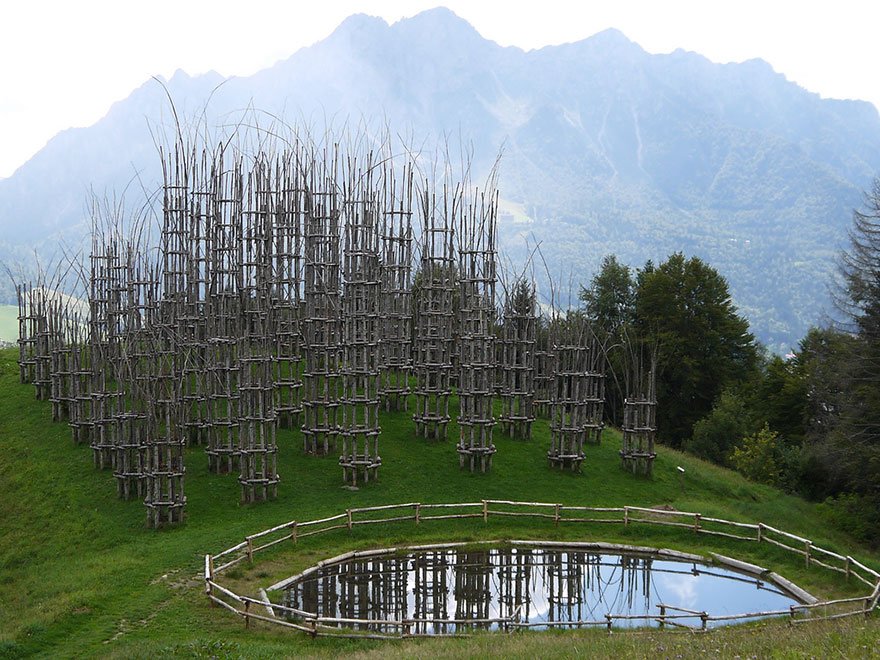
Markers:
448,590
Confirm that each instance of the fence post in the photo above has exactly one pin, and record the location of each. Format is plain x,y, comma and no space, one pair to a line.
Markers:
696,522
293,532
247,614
250,549
209,577
348,511
608,621
807,545
556,518
625,516
663,616
847,566
485,511
760,532
418,512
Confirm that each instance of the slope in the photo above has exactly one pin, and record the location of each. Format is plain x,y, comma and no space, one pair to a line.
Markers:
83,577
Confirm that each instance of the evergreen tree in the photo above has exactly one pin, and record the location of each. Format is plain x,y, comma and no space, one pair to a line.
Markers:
705,345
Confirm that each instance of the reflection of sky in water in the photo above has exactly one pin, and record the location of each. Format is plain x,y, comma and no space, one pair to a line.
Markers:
544,585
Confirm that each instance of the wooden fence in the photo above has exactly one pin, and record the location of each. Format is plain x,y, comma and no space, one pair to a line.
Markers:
810,609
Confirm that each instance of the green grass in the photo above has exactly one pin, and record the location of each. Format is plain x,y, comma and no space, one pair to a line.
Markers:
8,323
80,575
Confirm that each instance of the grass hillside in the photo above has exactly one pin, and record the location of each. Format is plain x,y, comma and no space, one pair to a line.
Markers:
80,575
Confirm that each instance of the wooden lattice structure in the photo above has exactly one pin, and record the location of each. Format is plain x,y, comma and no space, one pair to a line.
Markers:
395,298
360,458
570,422
288,209
544,370
257,447
223,312
322,376
476,381
516,364
435,281
640,417
276,291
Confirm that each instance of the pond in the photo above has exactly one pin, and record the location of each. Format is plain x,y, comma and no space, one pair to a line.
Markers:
449,590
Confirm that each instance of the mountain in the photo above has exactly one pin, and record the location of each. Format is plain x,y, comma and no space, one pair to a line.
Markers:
606,148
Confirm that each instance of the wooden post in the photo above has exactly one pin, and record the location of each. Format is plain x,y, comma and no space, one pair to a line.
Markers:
250,549
663,616
485,511
847,566
247,617
556,517
703,620
807,545
625,516
348,511
696,522
760,532
418,513
209,577
293,532
608,621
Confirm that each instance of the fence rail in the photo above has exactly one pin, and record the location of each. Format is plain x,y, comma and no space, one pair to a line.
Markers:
810,608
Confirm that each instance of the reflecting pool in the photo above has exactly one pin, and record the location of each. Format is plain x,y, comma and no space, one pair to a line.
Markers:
444,591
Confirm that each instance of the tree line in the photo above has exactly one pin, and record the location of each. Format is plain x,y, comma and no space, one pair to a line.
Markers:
808,422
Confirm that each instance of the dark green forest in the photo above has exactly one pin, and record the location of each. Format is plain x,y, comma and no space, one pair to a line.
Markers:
808,422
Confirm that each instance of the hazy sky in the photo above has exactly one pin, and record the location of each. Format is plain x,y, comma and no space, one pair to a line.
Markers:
63,63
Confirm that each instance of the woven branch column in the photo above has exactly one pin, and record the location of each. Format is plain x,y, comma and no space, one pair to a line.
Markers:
26,333
640,421
360,458
395,299
544,372
432,361
223,322
61,351
595,394
476,381
322,379
257,422
517,363
81,389
131,421
182,255
285,300
103,338
164,470
569,421
192,323
258,474
42,345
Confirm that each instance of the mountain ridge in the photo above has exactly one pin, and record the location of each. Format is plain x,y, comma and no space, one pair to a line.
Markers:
607,148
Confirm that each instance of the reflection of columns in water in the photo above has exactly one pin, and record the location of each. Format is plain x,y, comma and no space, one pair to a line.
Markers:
514,582
431,590
391,601
635,578
472,593
319,594
565,584
373,589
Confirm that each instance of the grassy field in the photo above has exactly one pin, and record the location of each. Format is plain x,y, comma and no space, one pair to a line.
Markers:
8,323
81,576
